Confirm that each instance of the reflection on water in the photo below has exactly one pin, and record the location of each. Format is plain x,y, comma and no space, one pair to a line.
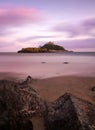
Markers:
44,65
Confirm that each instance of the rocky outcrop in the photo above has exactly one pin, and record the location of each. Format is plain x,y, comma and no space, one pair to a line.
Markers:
19,102
70,113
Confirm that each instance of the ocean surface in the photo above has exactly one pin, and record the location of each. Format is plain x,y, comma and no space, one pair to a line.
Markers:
44,65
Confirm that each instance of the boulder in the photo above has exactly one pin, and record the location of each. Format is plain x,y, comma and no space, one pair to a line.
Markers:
70,113
18,104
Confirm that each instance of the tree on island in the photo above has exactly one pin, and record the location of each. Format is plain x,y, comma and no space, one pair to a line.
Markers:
48,47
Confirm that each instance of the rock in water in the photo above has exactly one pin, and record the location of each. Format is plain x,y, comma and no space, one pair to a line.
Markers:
70,113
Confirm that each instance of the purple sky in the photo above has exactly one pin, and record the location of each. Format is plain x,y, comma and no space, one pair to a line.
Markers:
26,23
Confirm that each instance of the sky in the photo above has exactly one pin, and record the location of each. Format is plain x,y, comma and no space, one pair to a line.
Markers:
32,23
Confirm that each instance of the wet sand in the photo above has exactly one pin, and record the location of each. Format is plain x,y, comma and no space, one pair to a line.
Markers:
12,76
51,88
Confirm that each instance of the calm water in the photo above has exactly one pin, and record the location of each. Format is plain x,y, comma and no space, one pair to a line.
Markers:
45,65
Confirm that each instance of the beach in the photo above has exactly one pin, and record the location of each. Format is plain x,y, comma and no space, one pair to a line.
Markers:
54,73
52,76
52,88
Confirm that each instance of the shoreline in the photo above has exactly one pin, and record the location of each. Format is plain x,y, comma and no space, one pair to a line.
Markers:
22,76
13,76
53,87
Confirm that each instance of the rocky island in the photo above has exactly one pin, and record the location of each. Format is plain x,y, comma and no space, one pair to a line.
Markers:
48,47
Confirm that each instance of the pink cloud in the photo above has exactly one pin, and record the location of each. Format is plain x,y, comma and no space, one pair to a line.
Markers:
89,22
19,15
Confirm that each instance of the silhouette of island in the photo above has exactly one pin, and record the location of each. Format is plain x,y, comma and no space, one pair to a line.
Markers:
48,47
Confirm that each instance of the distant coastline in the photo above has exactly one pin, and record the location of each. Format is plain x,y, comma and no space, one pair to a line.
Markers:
49,47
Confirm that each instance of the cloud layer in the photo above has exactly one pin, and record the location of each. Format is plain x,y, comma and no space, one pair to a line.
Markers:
86,27
19,15
70,35
82,43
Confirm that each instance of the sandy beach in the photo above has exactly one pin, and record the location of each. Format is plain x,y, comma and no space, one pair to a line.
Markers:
52,76
52,88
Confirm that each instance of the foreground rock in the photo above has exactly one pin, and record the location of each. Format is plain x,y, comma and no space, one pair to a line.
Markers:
70,113
21,105
19,102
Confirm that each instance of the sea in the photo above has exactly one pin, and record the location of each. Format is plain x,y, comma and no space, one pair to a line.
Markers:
45,65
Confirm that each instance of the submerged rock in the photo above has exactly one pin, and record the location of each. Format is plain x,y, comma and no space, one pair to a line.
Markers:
66,62
70,113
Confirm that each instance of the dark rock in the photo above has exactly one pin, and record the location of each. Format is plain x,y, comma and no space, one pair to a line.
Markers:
18,104
66,62
15,122
93,89
24,124
43,62
28,80
70,113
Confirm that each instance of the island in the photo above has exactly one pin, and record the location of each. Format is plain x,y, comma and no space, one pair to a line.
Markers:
48,47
